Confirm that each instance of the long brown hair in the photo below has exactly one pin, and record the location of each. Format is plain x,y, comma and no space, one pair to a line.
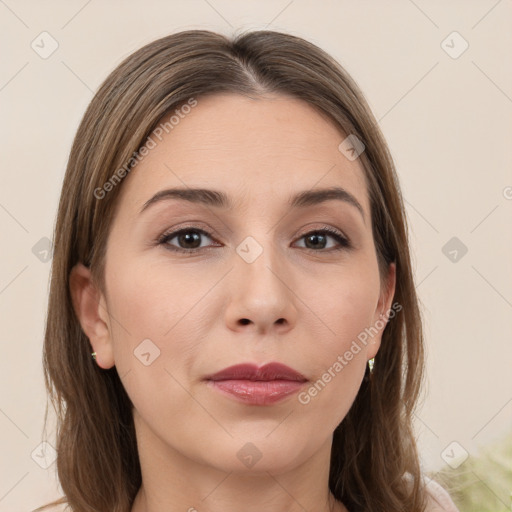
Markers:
98,464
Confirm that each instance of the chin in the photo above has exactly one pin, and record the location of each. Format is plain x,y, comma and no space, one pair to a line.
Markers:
259,453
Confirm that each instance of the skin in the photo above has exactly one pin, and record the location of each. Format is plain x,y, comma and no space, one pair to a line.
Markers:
305,306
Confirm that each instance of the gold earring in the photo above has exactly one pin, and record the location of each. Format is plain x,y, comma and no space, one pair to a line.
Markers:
371,363
94,355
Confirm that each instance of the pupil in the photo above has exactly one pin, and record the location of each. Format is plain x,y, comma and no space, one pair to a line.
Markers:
187,238
315,238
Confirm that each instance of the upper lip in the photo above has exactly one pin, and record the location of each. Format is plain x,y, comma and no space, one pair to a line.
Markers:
251,371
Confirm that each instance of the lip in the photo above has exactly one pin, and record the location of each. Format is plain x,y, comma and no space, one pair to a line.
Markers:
255,385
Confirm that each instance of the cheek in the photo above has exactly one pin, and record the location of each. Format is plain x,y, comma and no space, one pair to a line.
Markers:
151,302
344,307
344,301
154,344
149,327
338,359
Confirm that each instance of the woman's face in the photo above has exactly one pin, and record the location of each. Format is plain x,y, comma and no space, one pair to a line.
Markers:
258,284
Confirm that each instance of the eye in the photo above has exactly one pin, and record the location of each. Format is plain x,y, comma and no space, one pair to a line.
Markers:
189,239
317,240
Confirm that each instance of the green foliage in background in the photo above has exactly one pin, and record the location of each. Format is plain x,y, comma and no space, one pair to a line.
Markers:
483,483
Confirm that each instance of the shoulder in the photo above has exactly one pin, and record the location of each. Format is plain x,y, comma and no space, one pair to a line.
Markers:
438,499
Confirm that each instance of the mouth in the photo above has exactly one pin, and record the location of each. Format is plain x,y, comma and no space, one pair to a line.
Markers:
255,385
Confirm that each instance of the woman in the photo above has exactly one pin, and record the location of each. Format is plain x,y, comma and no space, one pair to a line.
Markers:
231,249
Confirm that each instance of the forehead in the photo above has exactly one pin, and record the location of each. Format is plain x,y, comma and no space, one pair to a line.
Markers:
248,147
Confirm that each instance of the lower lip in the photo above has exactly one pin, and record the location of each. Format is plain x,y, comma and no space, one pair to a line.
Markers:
257,392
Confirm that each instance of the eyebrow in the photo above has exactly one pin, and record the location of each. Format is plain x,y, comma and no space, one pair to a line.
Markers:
218,199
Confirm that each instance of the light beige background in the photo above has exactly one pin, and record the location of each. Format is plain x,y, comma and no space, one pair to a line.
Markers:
448,124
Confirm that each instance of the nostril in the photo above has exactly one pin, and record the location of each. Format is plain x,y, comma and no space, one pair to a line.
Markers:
244,321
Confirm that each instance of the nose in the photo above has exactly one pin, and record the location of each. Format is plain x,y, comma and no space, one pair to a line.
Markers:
262,297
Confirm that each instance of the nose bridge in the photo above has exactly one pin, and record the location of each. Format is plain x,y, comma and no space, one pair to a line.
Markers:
259,260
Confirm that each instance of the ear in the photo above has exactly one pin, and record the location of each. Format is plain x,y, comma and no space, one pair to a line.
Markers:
91,309
382,312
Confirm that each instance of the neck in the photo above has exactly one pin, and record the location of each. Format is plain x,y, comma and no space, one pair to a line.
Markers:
143,503
173,482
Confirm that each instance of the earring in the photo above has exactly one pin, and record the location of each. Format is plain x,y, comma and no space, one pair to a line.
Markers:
369,370
94,355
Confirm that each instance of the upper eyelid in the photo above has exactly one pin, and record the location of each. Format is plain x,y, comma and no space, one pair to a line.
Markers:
207,231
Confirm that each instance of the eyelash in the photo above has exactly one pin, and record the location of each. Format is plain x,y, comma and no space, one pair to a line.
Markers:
343,242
